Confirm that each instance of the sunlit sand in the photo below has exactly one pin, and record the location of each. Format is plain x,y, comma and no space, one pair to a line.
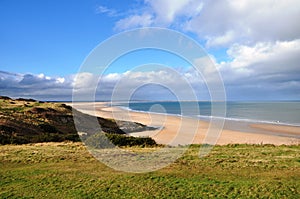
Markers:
175,130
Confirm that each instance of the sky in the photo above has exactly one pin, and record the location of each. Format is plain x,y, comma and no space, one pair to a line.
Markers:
254,45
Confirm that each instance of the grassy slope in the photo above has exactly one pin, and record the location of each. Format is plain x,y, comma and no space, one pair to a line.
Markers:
29,121
67,170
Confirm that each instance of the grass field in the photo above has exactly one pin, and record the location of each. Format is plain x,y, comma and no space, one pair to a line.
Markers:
67,170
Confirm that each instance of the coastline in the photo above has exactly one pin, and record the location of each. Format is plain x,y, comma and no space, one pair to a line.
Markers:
177,130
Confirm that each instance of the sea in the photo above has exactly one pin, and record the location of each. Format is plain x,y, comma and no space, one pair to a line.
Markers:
279,112
271,112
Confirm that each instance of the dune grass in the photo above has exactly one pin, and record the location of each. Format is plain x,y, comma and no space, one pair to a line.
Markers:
67,170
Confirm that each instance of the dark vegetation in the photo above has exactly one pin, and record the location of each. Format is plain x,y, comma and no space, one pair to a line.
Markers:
29,121
121,140
99,140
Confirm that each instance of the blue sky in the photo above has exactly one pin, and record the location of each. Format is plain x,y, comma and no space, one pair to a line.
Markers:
254,44
51,37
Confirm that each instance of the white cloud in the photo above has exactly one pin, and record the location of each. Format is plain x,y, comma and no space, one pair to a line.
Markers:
262,38
167,11
278,56
108,11
84,80
247,21
37,86
43,76
269,67
112,77
160,13
157,83
264,70
222,22
222,40
60,80
84,85
134,21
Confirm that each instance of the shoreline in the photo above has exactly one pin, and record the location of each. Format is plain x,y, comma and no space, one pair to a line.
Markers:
207,118
178,130
247,125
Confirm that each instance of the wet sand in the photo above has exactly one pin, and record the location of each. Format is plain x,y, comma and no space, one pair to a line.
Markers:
175,130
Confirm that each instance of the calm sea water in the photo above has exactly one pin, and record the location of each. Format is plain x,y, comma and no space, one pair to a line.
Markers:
266,112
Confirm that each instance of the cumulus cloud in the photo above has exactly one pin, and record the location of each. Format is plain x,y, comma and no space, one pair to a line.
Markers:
247,20
265,57
159,84
37,86
261,38
222,23
84,80
261,71
146,85
269,68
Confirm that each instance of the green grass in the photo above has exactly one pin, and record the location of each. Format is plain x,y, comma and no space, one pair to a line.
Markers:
67,170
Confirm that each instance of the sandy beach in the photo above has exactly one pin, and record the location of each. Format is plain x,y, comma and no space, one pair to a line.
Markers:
175,130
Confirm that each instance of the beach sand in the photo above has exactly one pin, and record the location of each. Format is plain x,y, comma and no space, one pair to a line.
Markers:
177,130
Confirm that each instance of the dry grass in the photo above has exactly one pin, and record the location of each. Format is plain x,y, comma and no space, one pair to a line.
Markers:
68,170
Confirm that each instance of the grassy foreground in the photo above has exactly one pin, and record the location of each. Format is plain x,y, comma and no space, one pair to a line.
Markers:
67,170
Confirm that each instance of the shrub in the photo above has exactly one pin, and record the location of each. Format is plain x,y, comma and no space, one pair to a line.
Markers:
100,140
123,140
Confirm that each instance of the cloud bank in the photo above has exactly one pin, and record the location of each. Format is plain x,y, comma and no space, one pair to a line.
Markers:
273,73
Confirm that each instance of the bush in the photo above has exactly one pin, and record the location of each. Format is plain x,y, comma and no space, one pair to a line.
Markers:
123,140
100,140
